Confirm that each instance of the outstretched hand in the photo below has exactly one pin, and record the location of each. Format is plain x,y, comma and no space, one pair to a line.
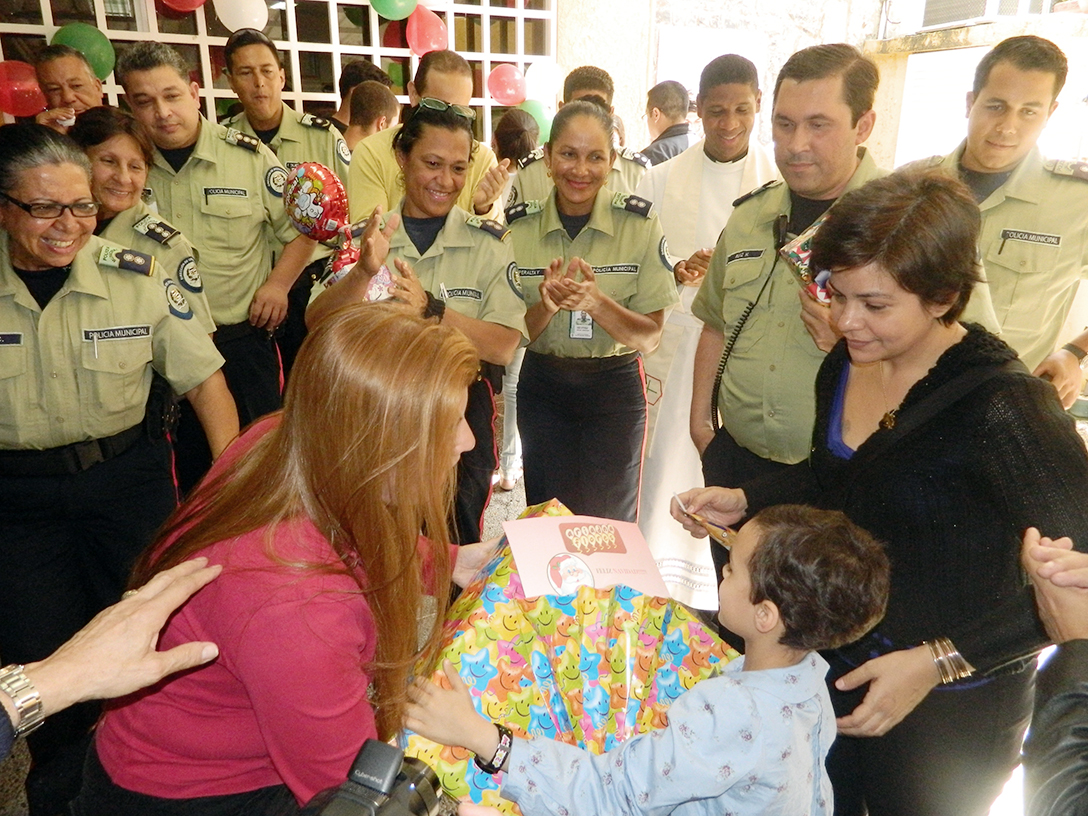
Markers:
375,241
447,716
721,505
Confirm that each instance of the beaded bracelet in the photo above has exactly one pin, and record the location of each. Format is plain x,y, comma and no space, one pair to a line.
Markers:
951,665
506,740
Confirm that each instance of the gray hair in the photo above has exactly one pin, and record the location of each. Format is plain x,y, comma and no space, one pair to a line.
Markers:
24,147
146,56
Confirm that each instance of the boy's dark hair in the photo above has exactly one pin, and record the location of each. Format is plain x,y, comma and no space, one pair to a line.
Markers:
442,62
670,97
359,71
588,78
919,225
827,576
248,36
860,76
370,101
728,69
1028,53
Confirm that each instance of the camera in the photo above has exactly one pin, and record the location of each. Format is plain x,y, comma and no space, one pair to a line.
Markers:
383,782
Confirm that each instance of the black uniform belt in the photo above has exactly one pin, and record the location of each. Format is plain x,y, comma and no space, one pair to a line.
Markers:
68,459
586,365
235,331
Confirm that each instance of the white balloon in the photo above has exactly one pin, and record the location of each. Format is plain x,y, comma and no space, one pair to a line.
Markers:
236,14
543,81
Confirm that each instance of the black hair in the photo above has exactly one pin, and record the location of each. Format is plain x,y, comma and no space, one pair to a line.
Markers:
670,97
146,56
370,101
1028,53
728,69
358,71
248,36
589,78
581,107
98,125
860,76
516,135
420,117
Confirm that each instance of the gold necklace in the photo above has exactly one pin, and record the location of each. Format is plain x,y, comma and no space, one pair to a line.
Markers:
888,420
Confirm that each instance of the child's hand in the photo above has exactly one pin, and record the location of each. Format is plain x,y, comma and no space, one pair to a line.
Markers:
447,716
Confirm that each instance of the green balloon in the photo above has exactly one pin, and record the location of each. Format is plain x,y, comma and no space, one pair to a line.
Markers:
396,73
91,42
536,109
356,15
394,9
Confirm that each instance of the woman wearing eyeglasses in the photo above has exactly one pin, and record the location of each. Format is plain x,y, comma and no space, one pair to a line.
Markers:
449,265
82,486
597,282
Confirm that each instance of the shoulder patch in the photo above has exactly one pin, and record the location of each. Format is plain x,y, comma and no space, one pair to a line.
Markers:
274,180
342,151
536,155
179,306
523,209
309,120
513,277
155,229
493,228
239,139
633,204
127,259
757,191
1074,169
188,276
635,156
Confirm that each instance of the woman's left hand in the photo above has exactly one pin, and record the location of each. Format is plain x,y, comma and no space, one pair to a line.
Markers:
470,558
580,295
407,289
898,682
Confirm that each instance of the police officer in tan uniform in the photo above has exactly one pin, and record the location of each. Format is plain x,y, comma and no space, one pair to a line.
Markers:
593,266
1034,240
256,75
224,190
83,485
454,266
532,182
374,177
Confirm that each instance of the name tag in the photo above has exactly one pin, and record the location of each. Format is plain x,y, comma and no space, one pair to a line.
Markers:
745,255
236,192
616,269
462,292
1031,237
116,333
533,272
11,339
581,326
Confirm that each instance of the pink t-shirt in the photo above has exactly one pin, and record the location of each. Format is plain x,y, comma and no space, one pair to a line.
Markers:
285,702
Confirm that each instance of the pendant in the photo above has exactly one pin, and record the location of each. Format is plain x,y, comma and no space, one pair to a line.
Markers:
888,421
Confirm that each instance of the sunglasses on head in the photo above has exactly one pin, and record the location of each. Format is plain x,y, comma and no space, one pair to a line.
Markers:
431,103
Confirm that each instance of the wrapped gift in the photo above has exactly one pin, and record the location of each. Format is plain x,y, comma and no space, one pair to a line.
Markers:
798,256
591,669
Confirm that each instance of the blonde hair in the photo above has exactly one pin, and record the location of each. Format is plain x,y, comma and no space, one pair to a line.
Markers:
365,450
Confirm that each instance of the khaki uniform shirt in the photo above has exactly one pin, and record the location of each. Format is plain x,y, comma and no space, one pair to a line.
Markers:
228,200
140,229
470,266
303,137
532,182
81,368
624,244
1034,245
767,396
374,176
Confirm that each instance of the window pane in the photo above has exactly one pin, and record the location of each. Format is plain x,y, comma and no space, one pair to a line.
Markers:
316,70
536,37
23,12
312,20
174,22
467,33
72,11
354,25
504,35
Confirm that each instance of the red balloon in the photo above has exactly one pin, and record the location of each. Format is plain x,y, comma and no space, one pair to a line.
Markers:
507,85
316,201
184,5
19,91
426,32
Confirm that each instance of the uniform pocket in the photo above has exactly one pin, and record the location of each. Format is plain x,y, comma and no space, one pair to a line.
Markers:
223,221
13,390
115,370
619,286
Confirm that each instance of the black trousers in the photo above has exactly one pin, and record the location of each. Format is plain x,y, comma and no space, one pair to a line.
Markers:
949,757
101,797
583,429
252,370
67,545
290,335
727,464
476,466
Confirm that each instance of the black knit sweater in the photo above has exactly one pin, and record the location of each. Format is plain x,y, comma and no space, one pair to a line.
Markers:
951,499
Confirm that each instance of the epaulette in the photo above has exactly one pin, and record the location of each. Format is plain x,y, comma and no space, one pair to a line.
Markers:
536,155
635,156
155,229
523,209
493,228
1074,169
757,191
633,204
236,137
319,122
923,164
128,259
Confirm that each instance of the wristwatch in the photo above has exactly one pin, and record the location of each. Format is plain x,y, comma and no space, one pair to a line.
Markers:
26,699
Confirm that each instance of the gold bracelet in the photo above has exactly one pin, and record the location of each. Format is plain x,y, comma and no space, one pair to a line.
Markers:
951,665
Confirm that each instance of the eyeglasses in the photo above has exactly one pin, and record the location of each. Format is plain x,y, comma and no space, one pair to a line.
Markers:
51,209
431,103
